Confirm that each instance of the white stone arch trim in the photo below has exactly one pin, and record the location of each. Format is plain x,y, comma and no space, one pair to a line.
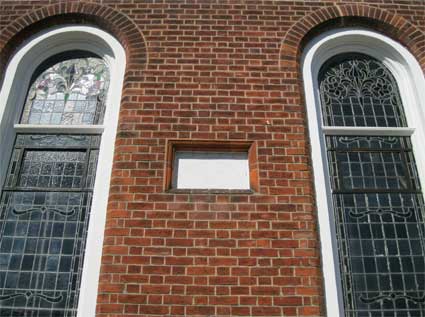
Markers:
411,82
12,96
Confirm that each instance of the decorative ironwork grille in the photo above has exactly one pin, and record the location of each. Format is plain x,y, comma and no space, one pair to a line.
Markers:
377,199
45,208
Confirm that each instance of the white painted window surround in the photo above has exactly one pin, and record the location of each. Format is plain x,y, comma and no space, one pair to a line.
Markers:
211,170
411,82
12,96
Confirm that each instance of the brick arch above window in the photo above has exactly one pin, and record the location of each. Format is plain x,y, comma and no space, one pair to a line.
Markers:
63,13
350,15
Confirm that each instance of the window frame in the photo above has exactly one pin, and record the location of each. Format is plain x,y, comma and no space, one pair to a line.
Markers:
18,74
409,77
224,146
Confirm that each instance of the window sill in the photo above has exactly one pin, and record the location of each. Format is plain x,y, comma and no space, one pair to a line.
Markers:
368,131
53,128
211,191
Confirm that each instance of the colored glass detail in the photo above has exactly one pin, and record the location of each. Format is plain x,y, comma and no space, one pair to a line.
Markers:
70,92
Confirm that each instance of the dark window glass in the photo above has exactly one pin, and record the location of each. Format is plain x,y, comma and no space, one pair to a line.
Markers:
52,169
46,199
359,91
43,230
377,200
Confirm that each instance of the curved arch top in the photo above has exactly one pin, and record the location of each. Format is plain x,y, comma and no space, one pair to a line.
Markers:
65,13
37,49
337,16
410,79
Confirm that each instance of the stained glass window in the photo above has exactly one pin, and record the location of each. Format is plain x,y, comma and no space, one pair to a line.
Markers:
46,199
43,230
359,91
69,92
52,169
377,199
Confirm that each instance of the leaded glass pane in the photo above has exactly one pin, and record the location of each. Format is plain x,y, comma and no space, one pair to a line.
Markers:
52,169
377,200
359,91
56,141
69,92
44,210
379,213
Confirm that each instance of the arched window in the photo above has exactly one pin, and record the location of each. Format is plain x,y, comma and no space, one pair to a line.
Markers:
69,92
62,138
377,200
46,199
362,92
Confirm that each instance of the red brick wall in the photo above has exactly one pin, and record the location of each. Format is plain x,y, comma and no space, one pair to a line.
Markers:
212,70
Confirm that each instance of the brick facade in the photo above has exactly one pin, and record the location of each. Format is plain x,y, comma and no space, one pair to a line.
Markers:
212,70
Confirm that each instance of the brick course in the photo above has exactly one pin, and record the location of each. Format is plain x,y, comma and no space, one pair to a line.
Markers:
212,70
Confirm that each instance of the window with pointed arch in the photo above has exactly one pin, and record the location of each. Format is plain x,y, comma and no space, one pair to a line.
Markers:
46,198
362,106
